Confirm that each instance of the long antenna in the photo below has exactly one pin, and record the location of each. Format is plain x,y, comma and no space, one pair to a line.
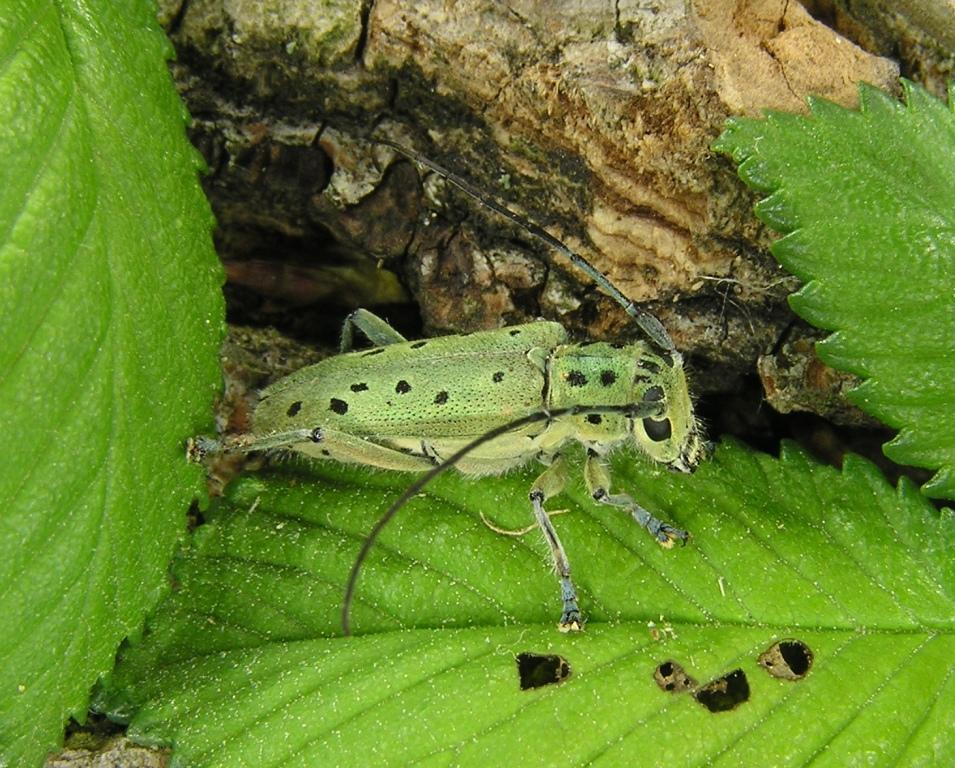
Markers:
633,411
652,327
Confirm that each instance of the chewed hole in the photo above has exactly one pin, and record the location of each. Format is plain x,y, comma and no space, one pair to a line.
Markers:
724,693
672,678
787,659
539,669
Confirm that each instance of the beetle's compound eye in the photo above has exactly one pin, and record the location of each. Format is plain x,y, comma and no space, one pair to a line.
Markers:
657,430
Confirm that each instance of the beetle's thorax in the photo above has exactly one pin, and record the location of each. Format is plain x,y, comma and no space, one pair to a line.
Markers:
600,373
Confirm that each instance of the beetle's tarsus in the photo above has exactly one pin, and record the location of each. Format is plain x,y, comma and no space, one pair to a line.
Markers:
669,535
571,620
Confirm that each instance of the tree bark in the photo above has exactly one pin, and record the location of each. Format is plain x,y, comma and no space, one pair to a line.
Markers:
591,118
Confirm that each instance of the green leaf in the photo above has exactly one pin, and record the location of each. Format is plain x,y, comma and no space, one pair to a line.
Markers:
242,665
867,202
110,317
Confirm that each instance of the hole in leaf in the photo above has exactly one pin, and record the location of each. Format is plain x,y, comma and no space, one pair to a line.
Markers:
787,659
724,693
539,669
672,678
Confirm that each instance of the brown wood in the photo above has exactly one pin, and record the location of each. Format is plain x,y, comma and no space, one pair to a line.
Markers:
594,119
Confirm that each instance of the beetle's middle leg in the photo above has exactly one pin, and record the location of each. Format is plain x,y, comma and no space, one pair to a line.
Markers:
597,478
550,483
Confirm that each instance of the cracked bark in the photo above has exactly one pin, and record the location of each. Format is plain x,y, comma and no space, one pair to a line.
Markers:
594,119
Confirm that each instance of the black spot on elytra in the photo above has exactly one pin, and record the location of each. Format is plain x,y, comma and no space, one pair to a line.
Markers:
338,406
294,408
418,344
498,377
359,387
539,669
618,345
653,395
642,378
595,418
402,387
649,365
607,378
326,452
576,379
514,332
441,398
376,351
724,693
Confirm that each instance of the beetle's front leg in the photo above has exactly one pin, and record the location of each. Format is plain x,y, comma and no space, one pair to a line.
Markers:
597,478
550,483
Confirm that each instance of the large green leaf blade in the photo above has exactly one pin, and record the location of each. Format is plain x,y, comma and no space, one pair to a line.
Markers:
866,200
110,316
243,665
